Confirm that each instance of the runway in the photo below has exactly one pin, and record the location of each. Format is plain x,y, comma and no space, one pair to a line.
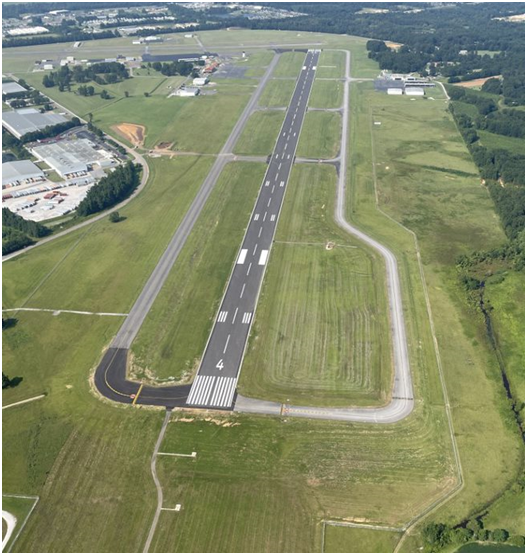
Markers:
215,384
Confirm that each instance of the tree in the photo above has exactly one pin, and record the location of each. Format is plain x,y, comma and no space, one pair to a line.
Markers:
90,117
126,94
104,94
6,382
147,94
499,535
114,217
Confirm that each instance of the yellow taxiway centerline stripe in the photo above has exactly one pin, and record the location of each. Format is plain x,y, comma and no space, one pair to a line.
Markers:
137,394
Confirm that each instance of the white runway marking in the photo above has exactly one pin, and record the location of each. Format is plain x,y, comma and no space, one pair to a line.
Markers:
280,166
288,156
269,202
273,217
243,289
260,233
256,246
235,314
247,318
249,268
282,183
305,67
241,258
263,257
294,134
272,190
276,176
264,218
200,389
226,343
224,392
222,316
267,183
256,217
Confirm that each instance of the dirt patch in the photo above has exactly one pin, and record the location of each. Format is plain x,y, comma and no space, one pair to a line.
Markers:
133,133
330,245
185,420
163,146
476,82
393,45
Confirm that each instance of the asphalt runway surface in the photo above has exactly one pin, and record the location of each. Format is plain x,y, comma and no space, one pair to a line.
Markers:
215,383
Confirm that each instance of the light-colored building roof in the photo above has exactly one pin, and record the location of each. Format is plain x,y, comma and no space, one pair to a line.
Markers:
10,88
419,91
68,157
19,171
25,121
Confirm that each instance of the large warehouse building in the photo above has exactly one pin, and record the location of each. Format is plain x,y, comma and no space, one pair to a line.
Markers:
11,88
20,122
19,172
69,158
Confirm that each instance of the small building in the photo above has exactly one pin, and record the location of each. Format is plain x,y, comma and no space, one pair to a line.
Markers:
394,90
200,81
19,172
414,91
188,91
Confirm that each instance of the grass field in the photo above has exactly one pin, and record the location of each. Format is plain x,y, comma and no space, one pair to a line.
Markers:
320,335
277,93
320,135
260,133
492,140
175,331
290,64
331,64
326,94
19,507
280,477
84,270
345,539
450,213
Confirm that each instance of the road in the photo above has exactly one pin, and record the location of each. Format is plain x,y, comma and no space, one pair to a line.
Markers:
215,384
402,400
110,376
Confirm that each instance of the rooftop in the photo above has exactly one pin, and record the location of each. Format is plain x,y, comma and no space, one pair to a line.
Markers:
25,121
19,170
10,88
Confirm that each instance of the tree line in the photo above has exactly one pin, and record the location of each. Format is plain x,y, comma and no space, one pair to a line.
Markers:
174,68
102,73
50,131
111,189
18,233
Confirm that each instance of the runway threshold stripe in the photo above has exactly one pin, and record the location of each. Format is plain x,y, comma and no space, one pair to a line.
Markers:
241,258
193,389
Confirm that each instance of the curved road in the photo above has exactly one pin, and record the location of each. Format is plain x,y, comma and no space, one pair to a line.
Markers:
110,376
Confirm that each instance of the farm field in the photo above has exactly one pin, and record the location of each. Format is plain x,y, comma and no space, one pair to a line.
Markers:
277,93
331,65
320,135
326,94
320,335
83,270
175,332
344,539
451,214
260,133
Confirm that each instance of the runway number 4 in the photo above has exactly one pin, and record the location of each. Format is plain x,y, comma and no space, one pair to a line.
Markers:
220,365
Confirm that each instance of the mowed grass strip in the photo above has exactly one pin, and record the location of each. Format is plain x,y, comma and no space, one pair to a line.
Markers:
320,335
173,336
277,93
104,267
260,133
290,64
347,539
320,135
20,508
331,64
326,94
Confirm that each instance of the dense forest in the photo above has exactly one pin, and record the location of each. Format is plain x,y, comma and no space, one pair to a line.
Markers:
18,233
110,190
102,73
173,68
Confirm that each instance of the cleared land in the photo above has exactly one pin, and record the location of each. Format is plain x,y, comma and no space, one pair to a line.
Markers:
174,334
514,145
331,64
259,135
290,64
320,335
277,92
320,136
326,94
342,539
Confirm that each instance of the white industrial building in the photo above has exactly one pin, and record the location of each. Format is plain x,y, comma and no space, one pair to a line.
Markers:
12,88
188,91
414,91
26,120
200,81
393,90
19,173
72,159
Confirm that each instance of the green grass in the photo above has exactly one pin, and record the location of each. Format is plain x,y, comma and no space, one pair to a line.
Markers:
451,214
326,94
514,145
258,58
84,270
320,135
290,64
320,335
260,133
20,508
345,539
331,64
280,477
474,547
175,331
277,93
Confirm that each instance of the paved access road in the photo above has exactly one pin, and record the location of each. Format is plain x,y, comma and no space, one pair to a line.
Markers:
215,384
